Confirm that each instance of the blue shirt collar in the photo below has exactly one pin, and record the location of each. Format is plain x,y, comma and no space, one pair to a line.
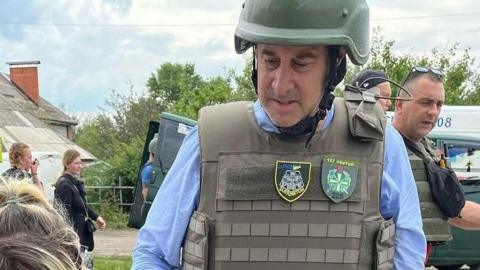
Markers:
266,124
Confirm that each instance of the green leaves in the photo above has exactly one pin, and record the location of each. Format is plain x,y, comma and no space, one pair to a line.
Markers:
117,135
462,80
182,91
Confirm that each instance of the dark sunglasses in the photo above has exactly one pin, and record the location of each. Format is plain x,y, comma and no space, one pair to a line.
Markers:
416,70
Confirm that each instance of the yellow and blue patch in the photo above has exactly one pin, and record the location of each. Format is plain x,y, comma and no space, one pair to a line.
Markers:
292,179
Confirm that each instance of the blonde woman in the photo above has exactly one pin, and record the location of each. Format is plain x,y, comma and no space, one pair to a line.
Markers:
22,165
70,191
34,235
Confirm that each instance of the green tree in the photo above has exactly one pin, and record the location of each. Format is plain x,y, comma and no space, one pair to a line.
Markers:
183,91
171,81
243,83
131,113
461,81
97,135
117,137
214,91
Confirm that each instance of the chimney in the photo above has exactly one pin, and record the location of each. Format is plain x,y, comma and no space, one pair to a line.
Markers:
25,76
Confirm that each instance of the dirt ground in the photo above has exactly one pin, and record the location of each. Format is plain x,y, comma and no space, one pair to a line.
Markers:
115,242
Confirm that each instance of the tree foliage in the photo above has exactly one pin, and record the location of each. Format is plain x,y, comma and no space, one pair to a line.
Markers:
117,136
183,91
171,81
461,79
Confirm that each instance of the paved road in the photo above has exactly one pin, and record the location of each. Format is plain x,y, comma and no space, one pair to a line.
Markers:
115,242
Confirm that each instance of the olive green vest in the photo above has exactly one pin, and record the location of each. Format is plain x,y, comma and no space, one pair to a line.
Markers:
435,224
242,223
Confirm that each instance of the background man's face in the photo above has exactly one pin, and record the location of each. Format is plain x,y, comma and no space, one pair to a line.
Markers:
419,116
385,91
290,81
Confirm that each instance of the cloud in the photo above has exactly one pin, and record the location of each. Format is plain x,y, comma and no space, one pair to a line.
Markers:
83,58
427,24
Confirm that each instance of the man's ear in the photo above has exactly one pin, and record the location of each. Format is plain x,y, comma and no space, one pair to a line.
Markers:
399,106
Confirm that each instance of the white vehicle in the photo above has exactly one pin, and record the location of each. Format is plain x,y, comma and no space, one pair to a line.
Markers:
49,170
461,120
458,130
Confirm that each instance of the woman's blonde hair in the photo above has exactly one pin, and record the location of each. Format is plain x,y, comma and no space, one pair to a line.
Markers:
33,233
36,251
68,157
16,152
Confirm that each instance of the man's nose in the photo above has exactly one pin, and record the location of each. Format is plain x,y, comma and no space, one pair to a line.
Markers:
434,110
282,79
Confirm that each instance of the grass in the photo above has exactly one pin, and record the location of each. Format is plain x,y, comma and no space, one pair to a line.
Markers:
112,262
114,217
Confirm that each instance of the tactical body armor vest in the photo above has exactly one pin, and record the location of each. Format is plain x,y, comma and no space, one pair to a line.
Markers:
243,223
435,224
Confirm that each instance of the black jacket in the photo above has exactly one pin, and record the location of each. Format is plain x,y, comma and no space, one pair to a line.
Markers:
71,193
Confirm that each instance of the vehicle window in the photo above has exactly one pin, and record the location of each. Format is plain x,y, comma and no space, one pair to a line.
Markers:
464,157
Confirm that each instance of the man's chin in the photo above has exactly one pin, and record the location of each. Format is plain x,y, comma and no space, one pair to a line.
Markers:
284,122
424,131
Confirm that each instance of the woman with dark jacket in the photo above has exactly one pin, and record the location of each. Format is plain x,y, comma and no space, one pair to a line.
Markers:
70,191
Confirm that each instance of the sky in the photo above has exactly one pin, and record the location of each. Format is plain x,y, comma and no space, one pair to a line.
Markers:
88,48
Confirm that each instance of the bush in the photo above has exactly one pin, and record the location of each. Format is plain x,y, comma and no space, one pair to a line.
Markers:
112,214
99,174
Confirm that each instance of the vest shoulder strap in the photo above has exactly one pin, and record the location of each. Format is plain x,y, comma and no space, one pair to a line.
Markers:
221,123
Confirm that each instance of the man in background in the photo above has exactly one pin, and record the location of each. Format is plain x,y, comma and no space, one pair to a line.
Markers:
147,169
414,119
377,82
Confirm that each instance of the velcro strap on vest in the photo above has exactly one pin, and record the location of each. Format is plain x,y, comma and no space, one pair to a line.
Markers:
256,183
287,255
385,245
195,248
289,230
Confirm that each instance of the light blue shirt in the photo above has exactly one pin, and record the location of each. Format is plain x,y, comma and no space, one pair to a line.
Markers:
160,239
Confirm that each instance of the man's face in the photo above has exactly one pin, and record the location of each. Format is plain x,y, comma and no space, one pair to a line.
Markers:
385,91
290,81
419,116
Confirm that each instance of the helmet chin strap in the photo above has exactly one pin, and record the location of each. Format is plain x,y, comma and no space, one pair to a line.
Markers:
308,125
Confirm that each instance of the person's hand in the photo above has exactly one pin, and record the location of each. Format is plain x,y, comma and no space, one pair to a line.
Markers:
34,167
101,224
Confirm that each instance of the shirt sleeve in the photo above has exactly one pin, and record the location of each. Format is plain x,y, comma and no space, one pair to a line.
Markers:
399,200
160,239
146,173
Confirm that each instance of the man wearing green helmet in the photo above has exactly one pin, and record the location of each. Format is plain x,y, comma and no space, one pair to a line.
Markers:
294,180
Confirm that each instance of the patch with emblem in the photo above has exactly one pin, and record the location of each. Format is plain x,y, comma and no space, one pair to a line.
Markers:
292,179
339,178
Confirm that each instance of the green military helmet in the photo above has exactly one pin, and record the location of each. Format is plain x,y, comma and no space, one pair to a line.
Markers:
152,146
304,23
